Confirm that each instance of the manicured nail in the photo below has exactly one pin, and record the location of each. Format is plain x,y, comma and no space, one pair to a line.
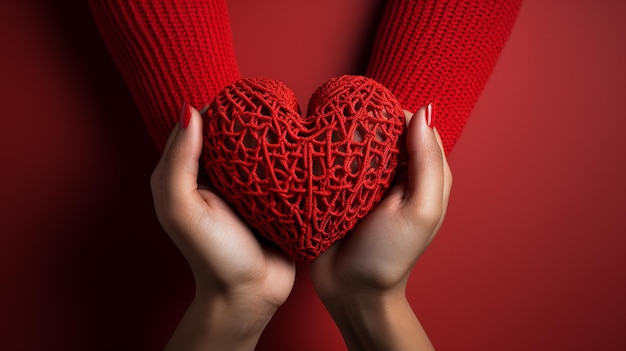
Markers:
429,115
185,115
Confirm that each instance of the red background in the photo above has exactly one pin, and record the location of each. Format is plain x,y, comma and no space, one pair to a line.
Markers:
531,256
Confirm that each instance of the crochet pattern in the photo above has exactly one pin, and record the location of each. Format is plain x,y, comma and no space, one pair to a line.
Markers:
303,182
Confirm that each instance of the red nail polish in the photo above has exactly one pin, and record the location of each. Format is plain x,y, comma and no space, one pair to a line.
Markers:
185,115
429,115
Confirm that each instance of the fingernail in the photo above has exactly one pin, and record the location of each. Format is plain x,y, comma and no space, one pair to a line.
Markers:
185,115
429,114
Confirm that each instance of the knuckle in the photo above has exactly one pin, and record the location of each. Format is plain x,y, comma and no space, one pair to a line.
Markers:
425,216
155,180
173,217
430,220
173,210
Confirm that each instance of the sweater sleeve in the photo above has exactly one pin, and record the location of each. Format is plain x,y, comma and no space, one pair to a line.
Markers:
441,52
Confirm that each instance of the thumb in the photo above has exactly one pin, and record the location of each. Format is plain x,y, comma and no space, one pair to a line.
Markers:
179,162
426,165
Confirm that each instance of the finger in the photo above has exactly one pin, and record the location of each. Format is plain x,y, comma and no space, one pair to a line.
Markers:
156,179
447,177
168,144
179,161
447,185
424,196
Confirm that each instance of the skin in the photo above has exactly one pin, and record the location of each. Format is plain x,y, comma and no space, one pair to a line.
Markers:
239,282
361,280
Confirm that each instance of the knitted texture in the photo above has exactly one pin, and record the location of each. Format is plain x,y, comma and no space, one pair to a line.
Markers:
441,51
168,52
303,182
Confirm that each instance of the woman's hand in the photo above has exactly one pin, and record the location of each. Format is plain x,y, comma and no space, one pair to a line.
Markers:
362,279
239,282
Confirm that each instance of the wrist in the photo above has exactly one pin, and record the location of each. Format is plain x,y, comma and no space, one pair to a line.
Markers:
364,307
248,299
241,315
218,322
345,295
377,321
213,322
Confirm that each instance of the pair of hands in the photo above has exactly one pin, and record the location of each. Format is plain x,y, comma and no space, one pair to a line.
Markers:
361,279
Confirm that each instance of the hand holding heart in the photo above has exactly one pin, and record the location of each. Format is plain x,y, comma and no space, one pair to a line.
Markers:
240,279
362,279
239,282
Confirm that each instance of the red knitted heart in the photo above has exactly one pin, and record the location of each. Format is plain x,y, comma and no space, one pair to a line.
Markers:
303,182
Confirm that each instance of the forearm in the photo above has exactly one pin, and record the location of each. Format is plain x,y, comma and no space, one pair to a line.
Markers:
378,322
219,323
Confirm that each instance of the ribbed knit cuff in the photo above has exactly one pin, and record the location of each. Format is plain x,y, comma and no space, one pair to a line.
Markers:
168,52
441,52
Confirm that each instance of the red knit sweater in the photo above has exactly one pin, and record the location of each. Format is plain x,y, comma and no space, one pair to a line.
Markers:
431,51
439,51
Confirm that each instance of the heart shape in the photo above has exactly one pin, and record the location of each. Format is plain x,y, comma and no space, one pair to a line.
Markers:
303,183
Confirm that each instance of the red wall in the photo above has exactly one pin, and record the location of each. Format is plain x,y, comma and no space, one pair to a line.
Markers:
531,256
